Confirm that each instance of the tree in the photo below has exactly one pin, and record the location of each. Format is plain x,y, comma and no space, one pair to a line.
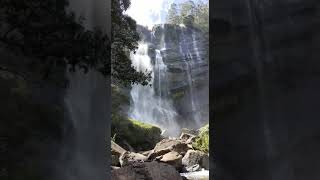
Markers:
173,15
188,20
202,16
190,14
187,8
45,31
124,41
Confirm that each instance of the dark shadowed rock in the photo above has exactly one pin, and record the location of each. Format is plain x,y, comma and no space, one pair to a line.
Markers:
204,163
146,171
116,152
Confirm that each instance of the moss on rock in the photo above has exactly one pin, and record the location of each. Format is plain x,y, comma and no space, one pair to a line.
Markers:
139,135
202,141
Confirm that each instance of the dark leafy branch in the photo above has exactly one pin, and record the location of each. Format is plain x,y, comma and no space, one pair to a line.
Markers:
44,30
124,40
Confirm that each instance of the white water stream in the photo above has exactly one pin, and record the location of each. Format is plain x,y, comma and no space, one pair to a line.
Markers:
147,105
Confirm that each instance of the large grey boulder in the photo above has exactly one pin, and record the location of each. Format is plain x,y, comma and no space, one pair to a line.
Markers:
146,153
173,158
187,138
189,131
193,158
127,158
168,145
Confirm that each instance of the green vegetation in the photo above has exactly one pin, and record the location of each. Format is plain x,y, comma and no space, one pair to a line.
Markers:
173,15
118,99
140,136
202,141
190,14
45,31
124,40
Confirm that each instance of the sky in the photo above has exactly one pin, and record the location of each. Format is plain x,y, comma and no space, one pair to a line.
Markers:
150,12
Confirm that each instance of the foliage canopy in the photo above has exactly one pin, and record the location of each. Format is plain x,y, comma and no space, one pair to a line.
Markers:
124,41
190,14
45,31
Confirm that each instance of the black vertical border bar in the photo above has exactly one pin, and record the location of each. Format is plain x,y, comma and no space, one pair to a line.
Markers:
211,89
108,78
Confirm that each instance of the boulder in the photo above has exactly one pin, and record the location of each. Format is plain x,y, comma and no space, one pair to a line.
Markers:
127,158
188,138
173,158
115,160
146,153
128,146
116,149
204,163
167,145
193,157
146,171
116,152
191,140
133,134
185,136
189,131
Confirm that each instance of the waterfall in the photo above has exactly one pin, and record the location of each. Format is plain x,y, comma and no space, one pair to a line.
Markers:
189,62
154,104
87,101
150,103
87,104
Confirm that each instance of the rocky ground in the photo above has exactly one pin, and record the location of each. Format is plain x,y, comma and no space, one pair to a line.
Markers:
170,159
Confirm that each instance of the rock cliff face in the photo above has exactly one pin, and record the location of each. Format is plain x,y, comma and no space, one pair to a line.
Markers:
184,52
265,89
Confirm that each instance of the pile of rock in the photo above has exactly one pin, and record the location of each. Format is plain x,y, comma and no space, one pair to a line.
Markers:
166,160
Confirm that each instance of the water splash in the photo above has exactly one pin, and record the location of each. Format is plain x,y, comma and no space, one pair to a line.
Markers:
198,175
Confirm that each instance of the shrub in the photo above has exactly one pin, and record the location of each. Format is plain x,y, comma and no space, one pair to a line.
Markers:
202,141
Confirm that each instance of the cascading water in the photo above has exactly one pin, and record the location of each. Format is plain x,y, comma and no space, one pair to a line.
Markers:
87,104
149,104
155,104
189,61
